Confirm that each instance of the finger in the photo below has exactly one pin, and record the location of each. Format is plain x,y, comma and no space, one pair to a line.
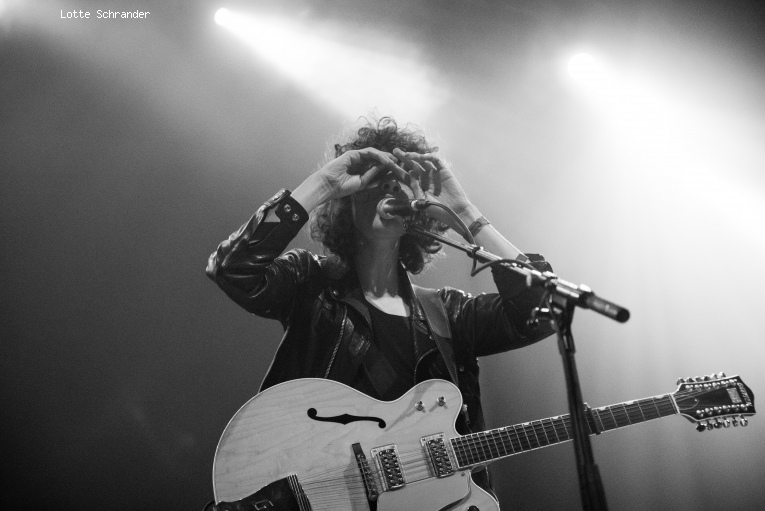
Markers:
369,175
388,160
422,175
429,165
428,158
414,185
399,173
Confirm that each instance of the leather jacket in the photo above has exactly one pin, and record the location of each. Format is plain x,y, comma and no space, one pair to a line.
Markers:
327,327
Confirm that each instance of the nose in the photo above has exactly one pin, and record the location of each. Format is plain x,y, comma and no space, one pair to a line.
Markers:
390,185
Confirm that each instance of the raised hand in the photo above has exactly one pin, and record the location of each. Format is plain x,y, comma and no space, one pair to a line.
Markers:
430,178
354,170
349,173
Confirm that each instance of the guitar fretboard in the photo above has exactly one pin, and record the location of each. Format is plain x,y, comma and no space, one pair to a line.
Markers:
506,441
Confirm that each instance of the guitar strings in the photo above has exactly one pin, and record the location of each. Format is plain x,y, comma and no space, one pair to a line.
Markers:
327,489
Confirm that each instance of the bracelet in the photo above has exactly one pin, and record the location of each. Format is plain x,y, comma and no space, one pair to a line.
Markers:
479,224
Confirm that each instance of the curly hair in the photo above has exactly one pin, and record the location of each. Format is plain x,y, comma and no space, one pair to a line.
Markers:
332,221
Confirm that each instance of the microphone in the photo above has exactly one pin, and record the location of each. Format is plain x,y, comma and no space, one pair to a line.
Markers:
390,207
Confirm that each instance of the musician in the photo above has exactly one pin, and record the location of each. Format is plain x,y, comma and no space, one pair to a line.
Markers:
352,315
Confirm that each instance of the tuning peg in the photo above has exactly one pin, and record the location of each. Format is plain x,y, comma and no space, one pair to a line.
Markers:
707,378
680,381
735,422
744,421
717,424
726,423
720,375
700,427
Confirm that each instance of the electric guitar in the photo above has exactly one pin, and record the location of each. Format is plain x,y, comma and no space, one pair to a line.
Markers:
315,444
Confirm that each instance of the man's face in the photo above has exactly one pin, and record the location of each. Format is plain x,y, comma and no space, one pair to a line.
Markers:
364,203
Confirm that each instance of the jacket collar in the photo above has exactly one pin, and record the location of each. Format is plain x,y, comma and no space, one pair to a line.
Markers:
348,290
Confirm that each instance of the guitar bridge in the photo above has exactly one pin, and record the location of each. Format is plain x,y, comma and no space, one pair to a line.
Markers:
440,460
388,462
366,473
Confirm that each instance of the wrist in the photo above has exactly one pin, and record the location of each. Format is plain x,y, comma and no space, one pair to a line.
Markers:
469,214
478,225
313,191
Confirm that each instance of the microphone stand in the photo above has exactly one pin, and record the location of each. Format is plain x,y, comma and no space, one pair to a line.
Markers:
562,298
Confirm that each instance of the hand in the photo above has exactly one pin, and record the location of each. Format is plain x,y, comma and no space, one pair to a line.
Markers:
354,170
431,178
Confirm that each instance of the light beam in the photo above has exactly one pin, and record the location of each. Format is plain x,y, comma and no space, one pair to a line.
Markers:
350,79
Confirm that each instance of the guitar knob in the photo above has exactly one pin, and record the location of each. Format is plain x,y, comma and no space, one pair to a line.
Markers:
473,508
441,401
419,406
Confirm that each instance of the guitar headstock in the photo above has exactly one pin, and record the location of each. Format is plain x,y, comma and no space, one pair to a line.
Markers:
714,401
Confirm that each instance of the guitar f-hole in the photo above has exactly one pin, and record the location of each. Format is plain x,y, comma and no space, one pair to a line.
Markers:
344,419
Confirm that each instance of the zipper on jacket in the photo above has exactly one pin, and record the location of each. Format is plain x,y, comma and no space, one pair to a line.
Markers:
339,340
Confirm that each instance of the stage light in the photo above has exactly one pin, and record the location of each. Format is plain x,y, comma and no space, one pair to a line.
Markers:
585,69
343,75
221,15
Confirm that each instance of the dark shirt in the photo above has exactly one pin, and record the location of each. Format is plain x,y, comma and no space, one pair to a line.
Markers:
387,370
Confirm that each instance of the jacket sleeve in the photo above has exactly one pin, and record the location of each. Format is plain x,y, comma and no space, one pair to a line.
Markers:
248,266
496,322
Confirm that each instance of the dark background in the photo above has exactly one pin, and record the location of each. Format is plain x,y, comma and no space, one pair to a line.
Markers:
130,149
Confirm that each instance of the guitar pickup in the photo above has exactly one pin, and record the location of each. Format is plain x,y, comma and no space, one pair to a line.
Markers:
438,454
389,465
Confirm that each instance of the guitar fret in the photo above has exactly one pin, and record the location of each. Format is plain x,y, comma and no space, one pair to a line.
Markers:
474,454
596,417
515,441
499,441
645,411
514,446
539,427
523,440
668,404
533,439
496,447
609,422
485,445
552,425
626,414
631,413
648,407
467,450
658,412
563,423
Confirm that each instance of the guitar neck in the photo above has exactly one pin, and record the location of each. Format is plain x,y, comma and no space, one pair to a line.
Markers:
486,446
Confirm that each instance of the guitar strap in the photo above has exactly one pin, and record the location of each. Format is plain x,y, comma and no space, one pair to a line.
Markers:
438,322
